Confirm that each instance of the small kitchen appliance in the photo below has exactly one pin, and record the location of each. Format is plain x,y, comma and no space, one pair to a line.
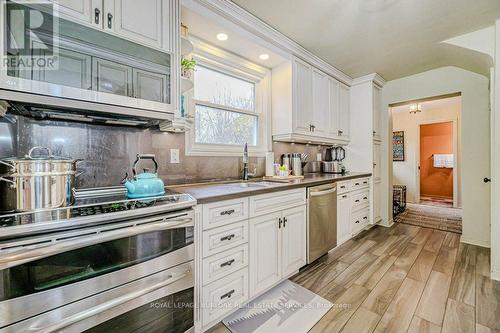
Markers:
333,160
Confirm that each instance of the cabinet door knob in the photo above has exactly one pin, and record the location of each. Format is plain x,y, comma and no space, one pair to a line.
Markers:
110,20
97,13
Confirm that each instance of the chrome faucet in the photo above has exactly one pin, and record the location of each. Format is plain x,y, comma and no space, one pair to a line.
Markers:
245,162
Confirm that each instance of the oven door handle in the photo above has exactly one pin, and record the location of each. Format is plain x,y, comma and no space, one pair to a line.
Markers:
93,311
23,256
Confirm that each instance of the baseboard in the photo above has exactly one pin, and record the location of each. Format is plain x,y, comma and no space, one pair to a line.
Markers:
476,242
495,275
389,224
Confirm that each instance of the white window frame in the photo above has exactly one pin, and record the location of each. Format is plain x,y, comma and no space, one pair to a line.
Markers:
222,61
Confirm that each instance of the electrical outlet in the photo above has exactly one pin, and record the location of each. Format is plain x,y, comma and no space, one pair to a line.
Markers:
174,156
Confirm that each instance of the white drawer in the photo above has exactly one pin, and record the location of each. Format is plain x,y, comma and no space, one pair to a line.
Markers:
225,263
360,183
359,221
360,200
224,212
224,295
273,202
224,238
343,187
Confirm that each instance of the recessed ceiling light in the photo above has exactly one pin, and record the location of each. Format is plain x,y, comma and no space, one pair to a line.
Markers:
222,36
264,56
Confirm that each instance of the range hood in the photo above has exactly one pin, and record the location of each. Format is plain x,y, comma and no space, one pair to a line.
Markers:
45,112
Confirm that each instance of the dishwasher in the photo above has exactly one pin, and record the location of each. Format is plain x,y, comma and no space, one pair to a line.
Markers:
322,221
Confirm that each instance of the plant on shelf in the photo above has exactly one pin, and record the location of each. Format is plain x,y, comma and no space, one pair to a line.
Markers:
188,67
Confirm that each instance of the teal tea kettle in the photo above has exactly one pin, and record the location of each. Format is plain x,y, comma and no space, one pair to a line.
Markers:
145,184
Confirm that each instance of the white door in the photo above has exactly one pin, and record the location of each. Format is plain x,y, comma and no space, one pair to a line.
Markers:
321,116
302,109
140,21
377,104
344,112
265,252
377,193
333,106
343,218
294,240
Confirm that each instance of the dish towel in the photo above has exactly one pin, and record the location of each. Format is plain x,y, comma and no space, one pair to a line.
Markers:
444,161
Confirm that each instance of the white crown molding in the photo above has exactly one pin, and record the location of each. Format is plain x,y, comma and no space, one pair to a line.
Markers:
237,15
373,78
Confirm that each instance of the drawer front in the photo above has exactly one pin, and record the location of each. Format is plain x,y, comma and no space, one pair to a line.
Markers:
360,183
225,263
343,187
273,202
360,200
359,221
224,295
222,213
224,238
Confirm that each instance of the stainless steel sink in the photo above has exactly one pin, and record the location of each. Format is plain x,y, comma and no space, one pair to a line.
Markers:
262,183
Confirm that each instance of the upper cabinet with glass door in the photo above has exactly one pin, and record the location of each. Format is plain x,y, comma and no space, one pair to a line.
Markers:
118,53
309,106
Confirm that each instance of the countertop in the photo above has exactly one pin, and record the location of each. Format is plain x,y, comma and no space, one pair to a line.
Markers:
218,191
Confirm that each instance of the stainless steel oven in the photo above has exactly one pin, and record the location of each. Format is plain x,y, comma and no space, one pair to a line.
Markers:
131,276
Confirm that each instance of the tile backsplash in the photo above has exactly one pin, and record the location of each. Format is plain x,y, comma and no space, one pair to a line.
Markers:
108,151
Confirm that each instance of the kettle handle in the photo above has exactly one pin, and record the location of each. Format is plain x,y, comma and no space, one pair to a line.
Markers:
144,157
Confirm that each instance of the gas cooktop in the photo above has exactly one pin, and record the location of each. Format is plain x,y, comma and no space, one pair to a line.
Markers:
91,207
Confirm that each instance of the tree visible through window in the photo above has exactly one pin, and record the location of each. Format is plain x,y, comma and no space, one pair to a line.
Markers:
224,109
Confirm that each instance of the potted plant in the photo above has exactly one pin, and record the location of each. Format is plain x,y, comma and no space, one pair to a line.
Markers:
187,67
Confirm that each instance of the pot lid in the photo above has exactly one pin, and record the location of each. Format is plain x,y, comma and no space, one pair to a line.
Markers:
44,154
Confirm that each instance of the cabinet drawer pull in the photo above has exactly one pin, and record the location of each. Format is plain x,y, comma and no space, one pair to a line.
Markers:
365,182
356,184
227,263
357,221
227,212
228,294
365,218
227,238
343,186
344,196
356,200
97,13
365,198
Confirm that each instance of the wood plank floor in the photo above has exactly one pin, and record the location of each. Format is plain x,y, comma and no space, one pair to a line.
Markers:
404,279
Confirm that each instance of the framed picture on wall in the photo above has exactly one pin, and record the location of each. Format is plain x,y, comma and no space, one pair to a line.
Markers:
398,146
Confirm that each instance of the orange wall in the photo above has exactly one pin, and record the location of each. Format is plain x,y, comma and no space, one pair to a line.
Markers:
435,139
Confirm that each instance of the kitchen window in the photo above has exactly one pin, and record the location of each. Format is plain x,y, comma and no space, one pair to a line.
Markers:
229,105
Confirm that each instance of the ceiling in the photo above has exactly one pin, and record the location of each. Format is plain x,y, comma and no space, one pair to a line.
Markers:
394,38
438,104
207,28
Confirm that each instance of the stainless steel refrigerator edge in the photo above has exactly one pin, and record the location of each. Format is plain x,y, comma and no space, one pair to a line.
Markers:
322,220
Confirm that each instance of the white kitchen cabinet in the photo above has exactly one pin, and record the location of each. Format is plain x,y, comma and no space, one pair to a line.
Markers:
343,218
377,104
111,77
265,252
149,86
277,247
308,105
377,192
376,161
344,112
140,21
321,104
293,240
333,107
78,10
302,80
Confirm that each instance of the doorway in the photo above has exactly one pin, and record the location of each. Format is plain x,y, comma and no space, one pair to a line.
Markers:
426,162
437,164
